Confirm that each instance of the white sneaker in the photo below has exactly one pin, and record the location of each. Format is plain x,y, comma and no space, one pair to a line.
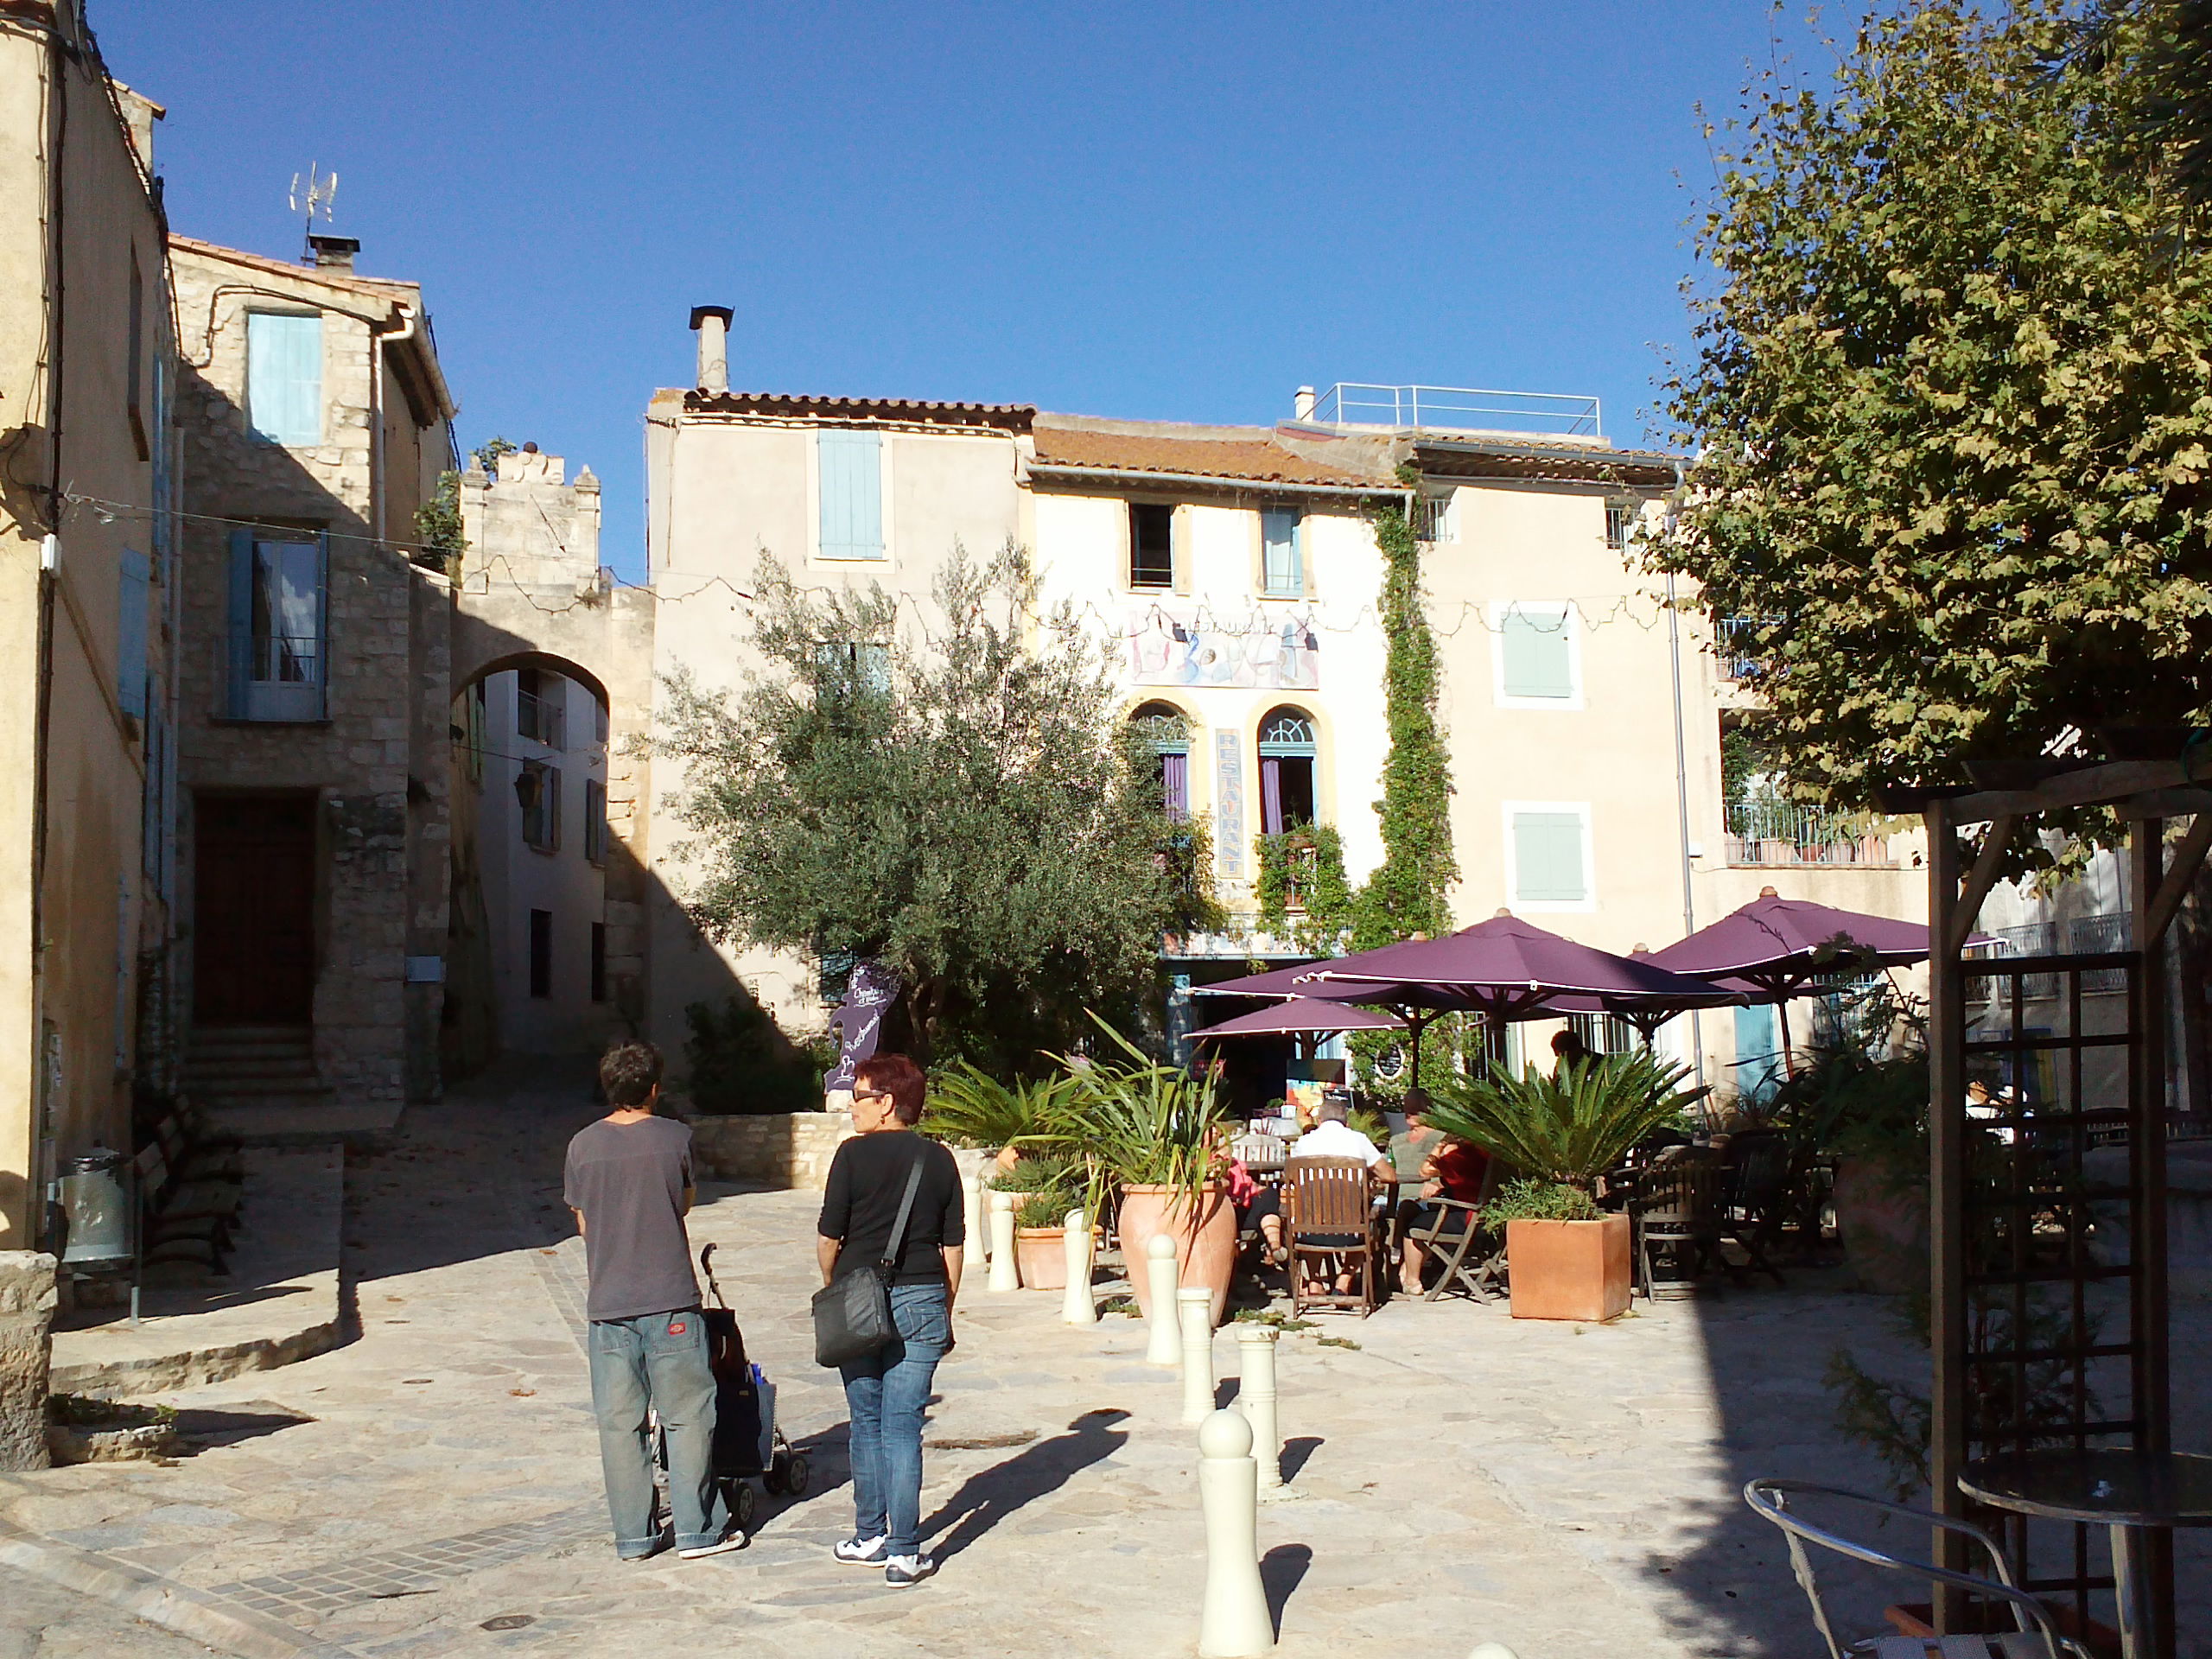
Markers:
861,1552
903,1570
734,1539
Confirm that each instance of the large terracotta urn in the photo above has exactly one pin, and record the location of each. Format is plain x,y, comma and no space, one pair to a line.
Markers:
1040,1254
1568,1269
1884,1226
1204,1235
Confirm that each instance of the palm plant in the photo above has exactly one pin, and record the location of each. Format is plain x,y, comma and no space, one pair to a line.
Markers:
1569,1127
969,1108
1138,1123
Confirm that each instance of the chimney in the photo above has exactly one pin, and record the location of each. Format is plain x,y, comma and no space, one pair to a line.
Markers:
1302,403
333,252
712,324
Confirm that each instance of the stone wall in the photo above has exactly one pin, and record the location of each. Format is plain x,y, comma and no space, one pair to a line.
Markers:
773,1150
26,1319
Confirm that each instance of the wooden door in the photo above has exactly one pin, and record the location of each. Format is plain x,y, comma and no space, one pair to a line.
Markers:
253,962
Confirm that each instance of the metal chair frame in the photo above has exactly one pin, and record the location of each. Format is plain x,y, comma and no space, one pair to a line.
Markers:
2038,1635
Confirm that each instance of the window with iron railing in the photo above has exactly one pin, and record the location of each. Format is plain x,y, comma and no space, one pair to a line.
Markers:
1732,636
1762,832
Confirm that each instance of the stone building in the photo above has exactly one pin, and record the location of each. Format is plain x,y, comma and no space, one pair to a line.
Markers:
314,676
87,603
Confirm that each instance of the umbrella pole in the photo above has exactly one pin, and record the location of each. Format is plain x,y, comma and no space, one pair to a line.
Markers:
1412,1069
1789,1065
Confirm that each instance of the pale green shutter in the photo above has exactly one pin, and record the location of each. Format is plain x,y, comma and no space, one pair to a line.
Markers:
1538,663
1279,536
283,377
1548,858
851,473
133,576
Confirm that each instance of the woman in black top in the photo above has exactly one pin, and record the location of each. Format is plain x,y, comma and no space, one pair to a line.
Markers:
885,1392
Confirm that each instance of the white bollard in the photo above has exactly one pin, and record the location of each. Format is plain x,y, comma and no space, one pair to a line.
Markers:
1493,1650
971,1204
1194,1312
1236,1621
1166,1347
1003,1276
1255,1392
1079,1307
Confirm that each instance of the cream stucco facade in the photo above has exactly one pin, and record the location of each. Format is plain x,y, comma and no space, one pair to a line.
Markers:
87,604
1232,576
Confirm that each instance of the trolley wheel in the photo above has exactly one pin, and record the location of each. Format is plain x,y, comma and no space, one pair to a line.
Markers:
796,1474
774,1477
743,1501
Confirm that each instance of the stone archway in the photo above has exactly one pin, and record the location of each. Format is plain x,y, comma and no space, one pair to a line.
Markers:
531,594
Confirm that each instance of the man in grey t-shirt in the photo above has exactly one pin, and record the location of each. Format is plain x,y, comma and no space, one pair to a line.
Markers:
628,1178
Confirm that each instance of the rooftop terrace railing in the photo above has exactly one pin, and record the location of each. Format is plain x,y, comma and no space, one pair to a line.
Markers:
1464,409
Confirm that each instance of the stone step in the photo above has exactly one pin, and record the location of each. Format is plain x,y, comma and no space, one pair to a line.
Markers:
236,1088
300,1034
291,1073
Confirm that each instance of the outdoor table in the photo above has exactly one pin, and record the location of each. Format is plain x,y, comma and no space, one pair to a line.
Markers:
2124,1491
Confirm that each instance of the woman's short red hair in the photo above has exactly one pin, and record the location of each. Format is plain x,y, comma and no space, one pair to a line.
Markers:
898,1077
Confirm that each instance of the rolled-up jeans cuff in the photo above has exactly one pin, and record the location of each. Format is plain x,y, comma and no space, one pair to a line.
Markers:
636,1549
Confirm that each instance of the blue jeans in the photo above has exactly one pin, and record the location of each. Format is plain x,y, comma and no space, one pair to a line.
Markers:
885,1393
657,1360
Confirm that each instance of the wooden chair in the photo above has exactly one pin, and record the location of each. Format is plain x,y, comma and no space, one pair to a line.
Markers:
1473,1257
1329,1220
1759,1188
1676,1207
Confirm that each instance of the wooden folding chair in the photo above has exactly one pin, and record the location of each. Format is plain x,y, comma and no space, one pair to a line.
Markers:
1330,1220
1474,1256
1676,1207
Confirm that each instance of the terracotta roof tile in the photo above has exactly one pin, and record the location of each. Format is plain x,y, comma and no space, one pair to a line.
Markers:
1257,458
1014,417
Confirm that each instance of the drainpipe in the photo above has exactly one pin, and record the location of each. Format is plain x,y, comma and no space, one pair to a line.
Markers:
1682,772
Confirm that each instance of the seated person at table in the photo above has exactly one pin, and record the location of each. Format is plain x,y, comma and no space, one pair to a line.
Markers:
1410,1149
1455,1171
1333,1136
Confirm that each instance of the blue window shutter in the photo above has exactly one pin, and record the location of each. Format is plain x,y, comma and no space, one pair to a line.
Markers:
1548,857
1537,657
134,575
1279,534
283,376
851,480
241,621
322,626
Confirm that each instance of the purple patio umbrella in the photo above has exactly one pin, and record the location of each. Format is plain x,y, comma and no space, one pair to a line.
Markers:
1507,969
1303,1013
1774,949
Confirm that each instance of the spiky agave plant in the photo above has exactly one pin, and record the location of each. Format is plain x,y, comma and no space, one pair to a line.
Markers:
1569,1127
970,1108
1138,1121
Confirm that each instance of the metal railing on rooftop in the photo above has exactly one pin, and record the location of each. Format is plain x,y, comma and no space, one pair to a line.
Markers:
1457,409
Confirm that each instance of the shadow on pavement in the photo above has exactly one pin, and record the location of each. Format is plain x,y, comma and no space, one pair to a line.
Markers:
198,1430
1282,1570
988,1499
1296,1450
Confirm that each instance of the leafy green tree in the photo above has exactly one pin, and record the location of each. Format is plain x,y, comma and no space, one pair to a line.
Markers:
1951,393
949,792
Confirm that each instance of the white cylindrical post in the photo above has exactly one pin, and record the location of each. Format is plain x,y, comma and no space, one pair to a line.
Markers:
1165,1346
1236,1621
1079,1307
971,1204
1003,1276
1194,1309
1255,1392
1492,1650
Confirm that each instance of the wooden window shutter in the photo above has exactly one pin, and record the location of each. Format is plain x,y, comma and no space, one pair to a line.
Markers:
283,377
1538,654
850,467
1548,858
134,576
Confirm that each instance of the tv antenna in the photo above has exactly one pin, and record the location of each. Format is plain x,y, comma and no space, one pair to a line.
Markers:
312,193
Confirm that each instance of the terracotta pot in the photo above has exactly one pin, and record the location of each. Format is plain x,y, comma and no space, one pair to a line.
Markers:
1206,1248
1041,1255
1008,1158
1568,1269
1883,1227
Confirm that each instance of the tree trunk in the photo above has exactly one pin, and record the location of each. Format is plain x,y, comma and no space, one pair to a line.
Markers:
924,1001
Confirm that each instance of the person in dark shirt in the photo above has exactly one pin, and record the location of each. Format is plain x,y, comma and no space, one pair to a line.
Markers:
886,1391
628,1178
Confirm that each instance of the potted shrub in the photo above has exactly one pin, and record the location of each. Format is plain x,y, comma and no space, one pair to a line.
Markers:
1156,1132
1564,1259
1040,1232
972,1109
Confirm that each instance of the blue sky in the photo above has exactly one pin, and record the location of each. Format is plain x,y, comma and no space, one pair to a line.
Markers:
1174,211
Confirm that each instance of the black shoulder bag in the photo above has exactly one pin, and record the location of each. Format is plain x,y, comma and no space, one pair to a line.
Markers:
852,1312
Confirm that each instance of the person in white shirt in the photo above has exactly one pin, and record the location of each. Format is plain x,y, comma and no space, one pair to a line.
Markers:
1333,1136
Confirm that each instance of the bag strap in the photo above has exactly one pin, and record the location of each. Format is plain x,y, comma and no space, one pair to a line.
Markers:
897,1239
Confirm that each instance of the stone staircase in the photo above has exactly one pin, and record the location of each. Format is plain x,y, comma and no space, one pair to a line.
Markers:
260,1083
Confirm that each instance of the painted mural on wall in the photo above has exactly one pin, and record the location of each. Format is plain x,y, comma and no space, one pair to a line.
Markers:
1171,645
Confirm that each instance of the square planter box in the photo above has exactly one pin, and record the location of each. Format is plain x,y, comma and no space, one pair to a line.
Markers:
1568,1269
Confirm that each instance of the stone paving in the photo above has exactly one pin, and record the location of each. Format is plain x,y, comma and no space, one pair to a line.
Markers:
432,1487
